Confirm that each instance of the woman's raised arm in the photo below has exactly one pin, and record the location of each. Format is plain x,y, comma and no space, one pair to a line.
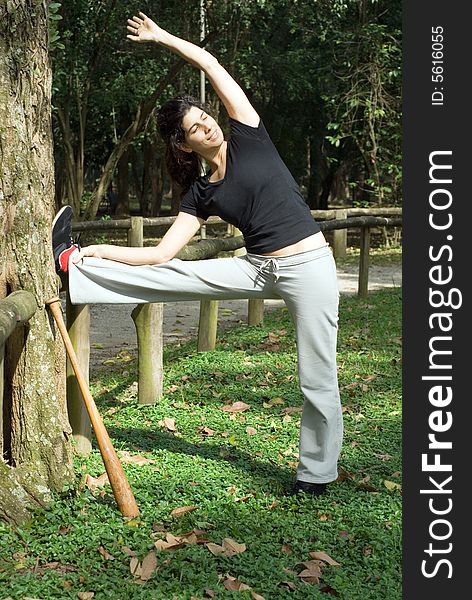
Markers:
142,29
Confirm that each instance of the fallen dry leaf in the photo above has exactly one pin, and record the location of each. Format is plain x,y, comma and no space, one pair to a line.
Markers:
234,585
215,549
232,547
210,593
168,423
391,485
94,483
327,589
206,431
343,474
236,407
273,402
128,551
312,572
64,530
324,557
137,459
135,567
182,510
308,577
257,596
251,431
229,547
85,595
148,566
289,584
106,555
173,542
217,374
290,410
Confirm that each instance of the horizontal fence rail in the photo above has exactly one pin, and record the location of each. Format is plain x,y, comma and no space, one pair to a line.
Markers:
319,215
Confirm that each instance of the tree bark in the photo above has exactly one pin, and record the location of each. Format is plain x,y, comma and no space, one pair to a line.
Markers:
37,453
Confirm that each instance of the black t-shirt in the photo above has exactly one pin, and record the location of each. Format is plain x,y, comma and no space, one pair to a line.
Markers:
258,194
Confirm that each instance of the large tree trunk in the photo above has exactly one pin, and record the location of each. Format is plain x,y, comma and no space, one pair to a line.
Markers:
37,455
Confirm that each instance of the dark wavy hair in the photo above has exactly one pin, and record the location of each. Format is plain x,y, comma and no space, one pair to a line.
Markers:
183,167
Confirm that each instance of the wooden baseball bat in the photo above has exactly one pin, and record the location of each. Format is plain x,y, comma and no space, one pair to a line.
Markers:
117,477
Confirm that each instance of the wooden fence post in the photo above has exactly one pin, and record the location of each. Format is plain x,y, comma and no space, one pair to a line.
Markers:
340,235
136,232
208,325
148,322
363,287
208,319
255,312
255,306
78,327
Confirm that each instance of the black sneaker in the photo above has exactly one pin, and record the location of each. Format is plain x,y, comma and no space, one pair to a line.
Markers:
62,242
315,489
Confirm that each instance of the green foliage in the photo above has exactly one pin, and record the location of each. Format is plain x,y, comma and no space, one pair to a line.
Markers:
235,479
54,17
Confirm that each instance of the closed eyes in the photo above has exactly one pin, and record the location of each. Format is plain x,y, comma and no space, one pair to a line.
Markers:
195,127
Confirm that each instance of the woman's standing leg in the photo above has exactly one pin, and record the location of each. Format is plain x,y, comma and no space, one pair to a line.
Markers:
311,294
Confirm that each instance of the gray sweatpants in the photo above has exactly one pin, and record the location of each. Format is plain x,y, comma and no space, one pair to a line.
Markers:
308,285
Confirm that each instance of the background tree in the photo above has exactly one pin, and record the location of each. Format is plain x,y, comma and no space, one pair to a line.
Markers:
36,454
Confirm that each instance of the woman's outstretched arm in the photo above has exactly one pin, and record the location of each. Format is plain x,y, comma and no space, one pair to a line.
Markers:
142,29
180,233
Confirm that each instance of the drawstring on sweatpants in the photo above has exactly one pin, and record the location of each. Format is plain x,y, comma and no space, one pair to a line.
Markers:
271,265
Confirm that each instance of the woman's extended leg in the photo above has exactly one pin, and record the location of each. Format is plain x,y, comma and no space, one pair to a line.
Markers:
310,291
97,281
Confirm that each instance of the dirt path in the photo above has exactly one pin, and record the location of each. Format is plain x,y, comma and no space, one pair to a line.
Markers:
112,329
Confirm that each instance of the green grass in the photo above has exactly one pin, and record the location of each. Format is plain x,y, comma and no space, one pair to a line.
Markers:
235,480
382,256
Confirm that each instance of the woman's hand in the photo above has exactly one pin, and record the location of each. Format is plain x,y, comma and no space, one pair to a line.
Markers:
143,29
96,250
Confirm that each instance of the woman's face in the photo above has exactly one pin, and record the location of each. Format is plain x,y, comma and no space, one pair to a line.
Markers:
202,132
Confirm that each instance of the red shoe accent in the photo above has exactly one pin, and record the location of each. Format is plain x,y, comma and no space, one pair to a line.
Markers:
64,258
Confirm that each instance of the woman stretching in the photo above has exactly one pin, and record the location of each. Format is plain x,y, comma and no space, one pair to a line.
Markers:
249,186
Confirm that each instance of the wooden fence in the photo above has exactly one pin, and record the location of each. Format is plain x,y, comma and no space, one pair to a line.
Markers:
148,317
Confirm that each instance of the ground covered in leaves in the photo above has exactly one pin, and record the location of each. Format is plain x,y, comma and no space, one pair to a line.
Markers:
209,466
